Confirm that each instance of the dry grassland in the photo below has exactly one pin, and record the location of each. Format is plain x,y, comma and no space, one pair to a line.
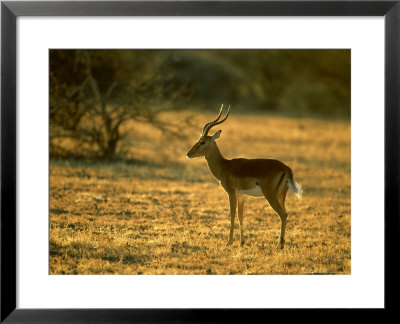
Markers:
168,215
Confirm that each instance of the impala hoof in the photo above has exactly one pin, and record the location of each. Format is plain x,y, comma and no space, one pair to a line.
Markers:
279,246
228,243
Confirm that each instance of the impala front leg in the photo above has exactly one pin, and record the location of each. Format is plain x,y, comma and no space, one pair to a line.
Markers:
240,201
232,204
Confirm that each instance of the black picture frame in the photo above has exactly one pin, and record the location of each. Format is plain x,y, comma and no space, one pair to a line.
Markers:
10,10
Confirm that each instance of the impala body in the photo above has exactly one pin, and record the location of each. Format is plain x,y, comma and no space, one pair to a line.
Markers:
253,177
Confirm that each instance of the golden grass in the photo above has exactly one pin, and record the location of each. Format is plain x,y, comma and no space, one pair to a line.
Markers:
168,215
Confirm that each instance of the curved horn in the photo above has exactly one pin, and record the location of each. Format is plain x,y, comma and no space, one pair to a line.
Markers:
208,126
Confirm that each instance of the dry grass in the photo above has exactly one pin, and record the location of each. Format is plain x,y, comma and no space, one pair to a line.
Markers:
169,215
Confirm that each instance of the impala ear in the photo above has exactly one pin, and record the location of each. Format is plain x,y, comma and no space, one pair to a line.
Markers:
216,135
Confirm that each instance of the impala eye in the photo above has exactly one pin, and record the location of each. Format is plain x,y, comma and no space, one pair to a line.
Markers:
202,143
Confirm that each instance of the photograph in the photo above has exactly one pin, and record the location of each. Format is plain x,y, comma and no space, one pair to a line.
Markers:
199,161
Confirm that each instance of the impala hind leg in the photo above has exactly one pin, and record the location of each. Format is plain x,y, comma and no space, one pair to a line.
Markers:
283,215
282,196
277,203
276,198
240,202
232,205
280,210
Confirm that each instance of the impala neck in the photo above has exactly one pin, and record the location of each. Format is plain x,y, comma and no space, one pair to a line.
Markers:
215,161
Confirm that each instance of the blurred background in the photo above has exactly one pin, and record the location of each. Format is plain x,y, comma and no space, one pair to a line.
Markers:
101,98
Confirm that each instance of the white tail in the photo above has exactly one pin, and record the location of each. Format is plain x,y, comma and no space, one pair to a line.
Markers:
296,189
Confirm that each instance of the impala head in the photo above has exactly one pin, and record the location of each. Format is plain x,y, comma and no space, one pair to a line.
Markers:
205,142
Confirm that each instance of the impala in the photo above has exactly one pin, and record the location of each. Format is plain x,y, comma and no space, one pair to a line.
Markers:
253,177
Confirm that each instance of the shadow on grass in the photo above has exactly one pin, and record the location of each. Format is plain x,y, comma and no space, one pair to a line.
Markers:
80,250
130,168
